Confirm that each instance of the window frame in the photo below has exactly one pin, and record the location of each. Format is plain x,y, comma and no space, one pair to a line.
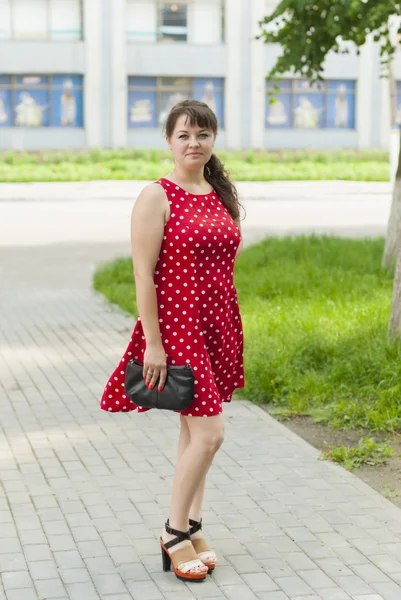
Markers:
15,87
162,88
160,8
48,32
132,36
295,92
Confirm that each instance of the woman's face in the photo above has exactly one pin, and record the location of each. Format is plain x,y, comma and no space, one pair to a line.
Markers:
192,146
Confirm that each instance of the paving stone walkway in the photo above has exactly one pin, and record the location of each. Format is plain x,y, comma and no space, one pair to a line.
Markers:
84,494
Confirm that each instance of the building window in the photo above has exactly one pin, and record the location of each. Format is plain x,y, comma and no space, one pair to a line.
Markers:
41,101
150,99
6,105
173,26
189,21
397,105
320,105
42,19
142,102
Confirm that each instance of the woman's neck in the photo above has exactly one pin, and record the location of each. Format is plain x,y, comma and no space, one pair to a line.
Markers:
195,178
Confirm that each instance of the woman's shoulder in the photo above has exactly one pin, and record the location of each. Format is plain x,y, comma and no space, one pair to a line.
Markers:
152,199
153,191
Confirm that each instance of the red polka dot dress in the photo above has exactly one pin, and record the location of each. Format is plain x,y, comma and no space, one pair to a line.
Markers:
199,318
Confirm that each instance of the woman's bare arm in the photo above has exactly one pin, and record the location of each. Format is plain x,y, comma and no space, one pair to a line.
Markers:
147,230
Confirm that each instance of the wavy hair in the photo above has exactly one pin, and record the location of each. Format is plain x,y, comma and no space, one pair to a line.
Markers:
201,115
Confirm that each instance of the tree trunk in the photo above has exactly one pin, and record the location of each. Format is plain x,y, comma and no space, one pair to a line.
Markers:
394,220
393,94
395,318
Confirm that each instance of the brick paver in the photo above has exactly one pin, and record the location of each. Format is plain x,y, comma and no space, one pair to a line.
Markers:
84,494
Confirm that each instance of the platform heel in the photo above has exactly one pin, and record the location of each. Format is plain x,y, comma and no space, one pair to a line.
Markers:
184,559
201,548
166,560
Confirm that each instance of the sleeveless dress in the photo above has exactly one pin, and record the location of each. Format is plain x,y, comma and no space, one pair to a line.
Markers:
199,318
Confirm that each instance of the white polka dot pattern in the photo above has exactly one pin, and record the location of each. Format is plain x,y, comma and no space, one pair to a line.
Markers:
199,317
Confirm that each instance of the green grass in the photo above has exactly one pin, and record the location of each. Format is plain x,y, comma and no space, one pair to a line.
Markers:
115,281
149,164
315,314
367,452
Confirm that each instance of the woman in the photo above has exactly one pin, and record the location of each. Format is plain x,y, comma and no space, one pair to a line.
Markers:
185,237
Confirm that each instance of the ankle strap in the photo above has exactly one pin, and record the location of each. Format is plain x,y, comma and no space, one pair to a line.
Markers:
195,526
180,535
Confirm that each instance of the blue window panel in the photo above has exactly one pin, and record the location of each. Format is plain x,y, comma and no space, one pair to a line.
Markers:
142,104
148,82
341,109
183,84
306,86
142,109
59,80
398,109
283,85
31,108
279,114
211,91
67,101
167,101
6,109
346,85
31,80
308,112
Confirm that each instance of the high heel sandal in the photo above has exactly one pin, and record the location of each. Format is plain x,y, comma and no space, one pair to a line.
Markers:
201,548
185,557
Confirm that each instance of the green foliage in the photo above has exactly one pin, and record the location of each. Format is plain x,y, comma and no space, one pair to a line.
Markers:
315,313
116,281
367,452
155,155
308,31
390,492
150,164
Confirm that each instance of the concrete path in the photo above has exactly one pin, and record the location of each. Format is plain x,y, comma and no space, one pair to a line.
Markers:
83,493
350,208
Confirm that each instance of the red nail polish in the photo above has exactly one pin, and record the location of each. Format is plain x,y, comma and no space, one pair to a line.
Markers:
159,389
150,386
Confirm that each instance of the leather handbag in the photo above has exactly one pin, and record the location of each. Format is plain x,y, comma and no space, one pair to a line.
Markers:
177,393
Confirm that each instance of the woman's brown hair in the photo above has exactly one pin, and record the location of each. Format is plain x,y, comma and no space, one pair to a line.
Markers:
201,115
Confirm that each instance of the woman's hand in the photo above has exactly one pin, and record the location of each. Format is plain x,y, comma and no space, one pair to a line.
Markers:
155,366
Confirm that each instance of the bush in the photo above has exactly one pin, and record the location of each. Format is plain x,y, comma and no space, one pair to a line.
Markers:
150,164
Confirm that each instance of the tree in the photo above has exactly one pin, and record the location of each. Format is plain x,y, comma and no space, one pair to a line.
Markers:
307,30
395,319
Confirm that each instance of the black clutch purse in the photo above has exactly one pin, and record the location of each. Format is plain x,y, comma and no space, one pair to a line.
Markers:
177,394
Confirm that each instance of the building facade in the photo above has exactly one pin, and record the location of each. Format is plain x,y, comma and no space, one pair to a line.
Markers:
104,73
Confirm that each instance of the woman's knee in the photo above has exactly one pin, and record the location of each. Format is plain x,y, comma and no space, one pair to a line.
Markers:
218,440
209,445
207,434
210,441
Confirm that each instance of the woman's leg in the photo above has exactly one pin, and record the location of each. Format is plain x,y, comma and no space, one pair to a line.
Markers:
184,438
195,512
206,437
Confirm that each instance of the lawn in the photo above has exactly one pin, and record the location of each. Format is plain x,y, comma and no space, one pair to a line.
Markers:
315,314
143,164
